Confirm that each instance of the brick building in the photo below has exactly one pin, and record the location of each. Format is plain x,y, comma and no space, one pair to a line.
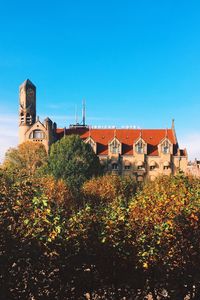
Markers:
138,152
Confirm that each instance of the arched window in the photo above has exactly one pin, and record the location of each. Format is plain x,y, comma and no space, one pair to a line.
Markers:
37,134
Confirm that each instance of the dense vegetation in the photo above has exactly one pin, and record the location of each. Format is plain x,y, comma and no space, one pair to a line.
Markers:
110,240
74,161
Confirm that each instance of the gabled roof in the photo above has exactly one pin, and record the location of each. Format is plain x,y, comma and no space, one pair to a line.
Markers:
89,138
166,138
139,139
114,138
126,137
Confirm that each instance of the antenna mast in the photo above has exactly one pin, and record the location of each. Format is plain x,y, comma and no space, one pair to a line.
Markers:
76,117
83,112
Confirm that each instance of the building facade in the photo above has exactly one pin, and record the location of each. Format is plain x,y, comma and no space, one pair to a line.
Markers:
142,153
193,168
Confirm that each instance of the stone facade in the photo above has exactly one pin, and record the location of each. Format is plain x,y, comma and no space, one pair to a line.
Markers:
144,153
30,127
193,168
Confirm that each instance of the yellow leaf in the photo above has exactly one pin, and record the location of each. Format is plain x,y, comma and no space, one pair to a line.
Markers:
145,265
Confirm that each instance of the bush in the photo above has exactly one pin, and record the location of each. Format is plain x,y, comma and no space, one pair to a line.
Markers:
165,215
107,188
126,245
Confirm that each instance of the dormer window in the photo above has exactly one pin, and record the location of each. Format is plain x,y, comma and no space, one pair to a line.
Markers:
139,147
115,147
165,147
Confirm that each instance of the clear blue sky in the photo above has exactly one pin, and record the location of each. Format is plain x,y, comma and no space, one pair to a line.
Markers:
134,62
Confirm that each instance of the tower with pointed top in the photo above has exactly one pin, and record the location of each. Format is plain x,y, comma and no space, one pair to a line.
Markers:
27,108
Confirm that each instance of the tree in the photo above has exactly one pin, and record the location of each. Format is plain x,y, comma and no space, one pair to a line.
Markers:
74,161
26,159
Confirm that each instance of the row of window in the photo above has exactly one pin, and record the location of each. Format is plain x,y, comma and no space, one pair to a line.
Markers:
139,147
115,166
115,147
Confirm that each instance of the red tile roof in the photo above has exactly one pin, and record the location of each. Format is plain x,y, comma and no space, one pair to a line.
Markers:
125,136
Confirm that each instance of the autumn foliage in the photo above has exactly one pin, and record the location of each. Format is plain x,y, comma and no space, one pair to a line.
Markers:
119,241
107,188
26,159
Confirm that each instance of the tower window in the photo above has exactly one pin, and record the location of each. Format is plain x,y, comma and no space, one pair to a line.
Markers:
22,118
37,134
29,119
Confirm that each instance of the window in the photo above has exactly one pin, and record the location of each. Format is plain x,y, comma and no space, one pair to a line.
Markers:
140,167
165,147
115,147
166,167
22,118
115,166
152,165
28,119
139,147
37,134
152,168
127,167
